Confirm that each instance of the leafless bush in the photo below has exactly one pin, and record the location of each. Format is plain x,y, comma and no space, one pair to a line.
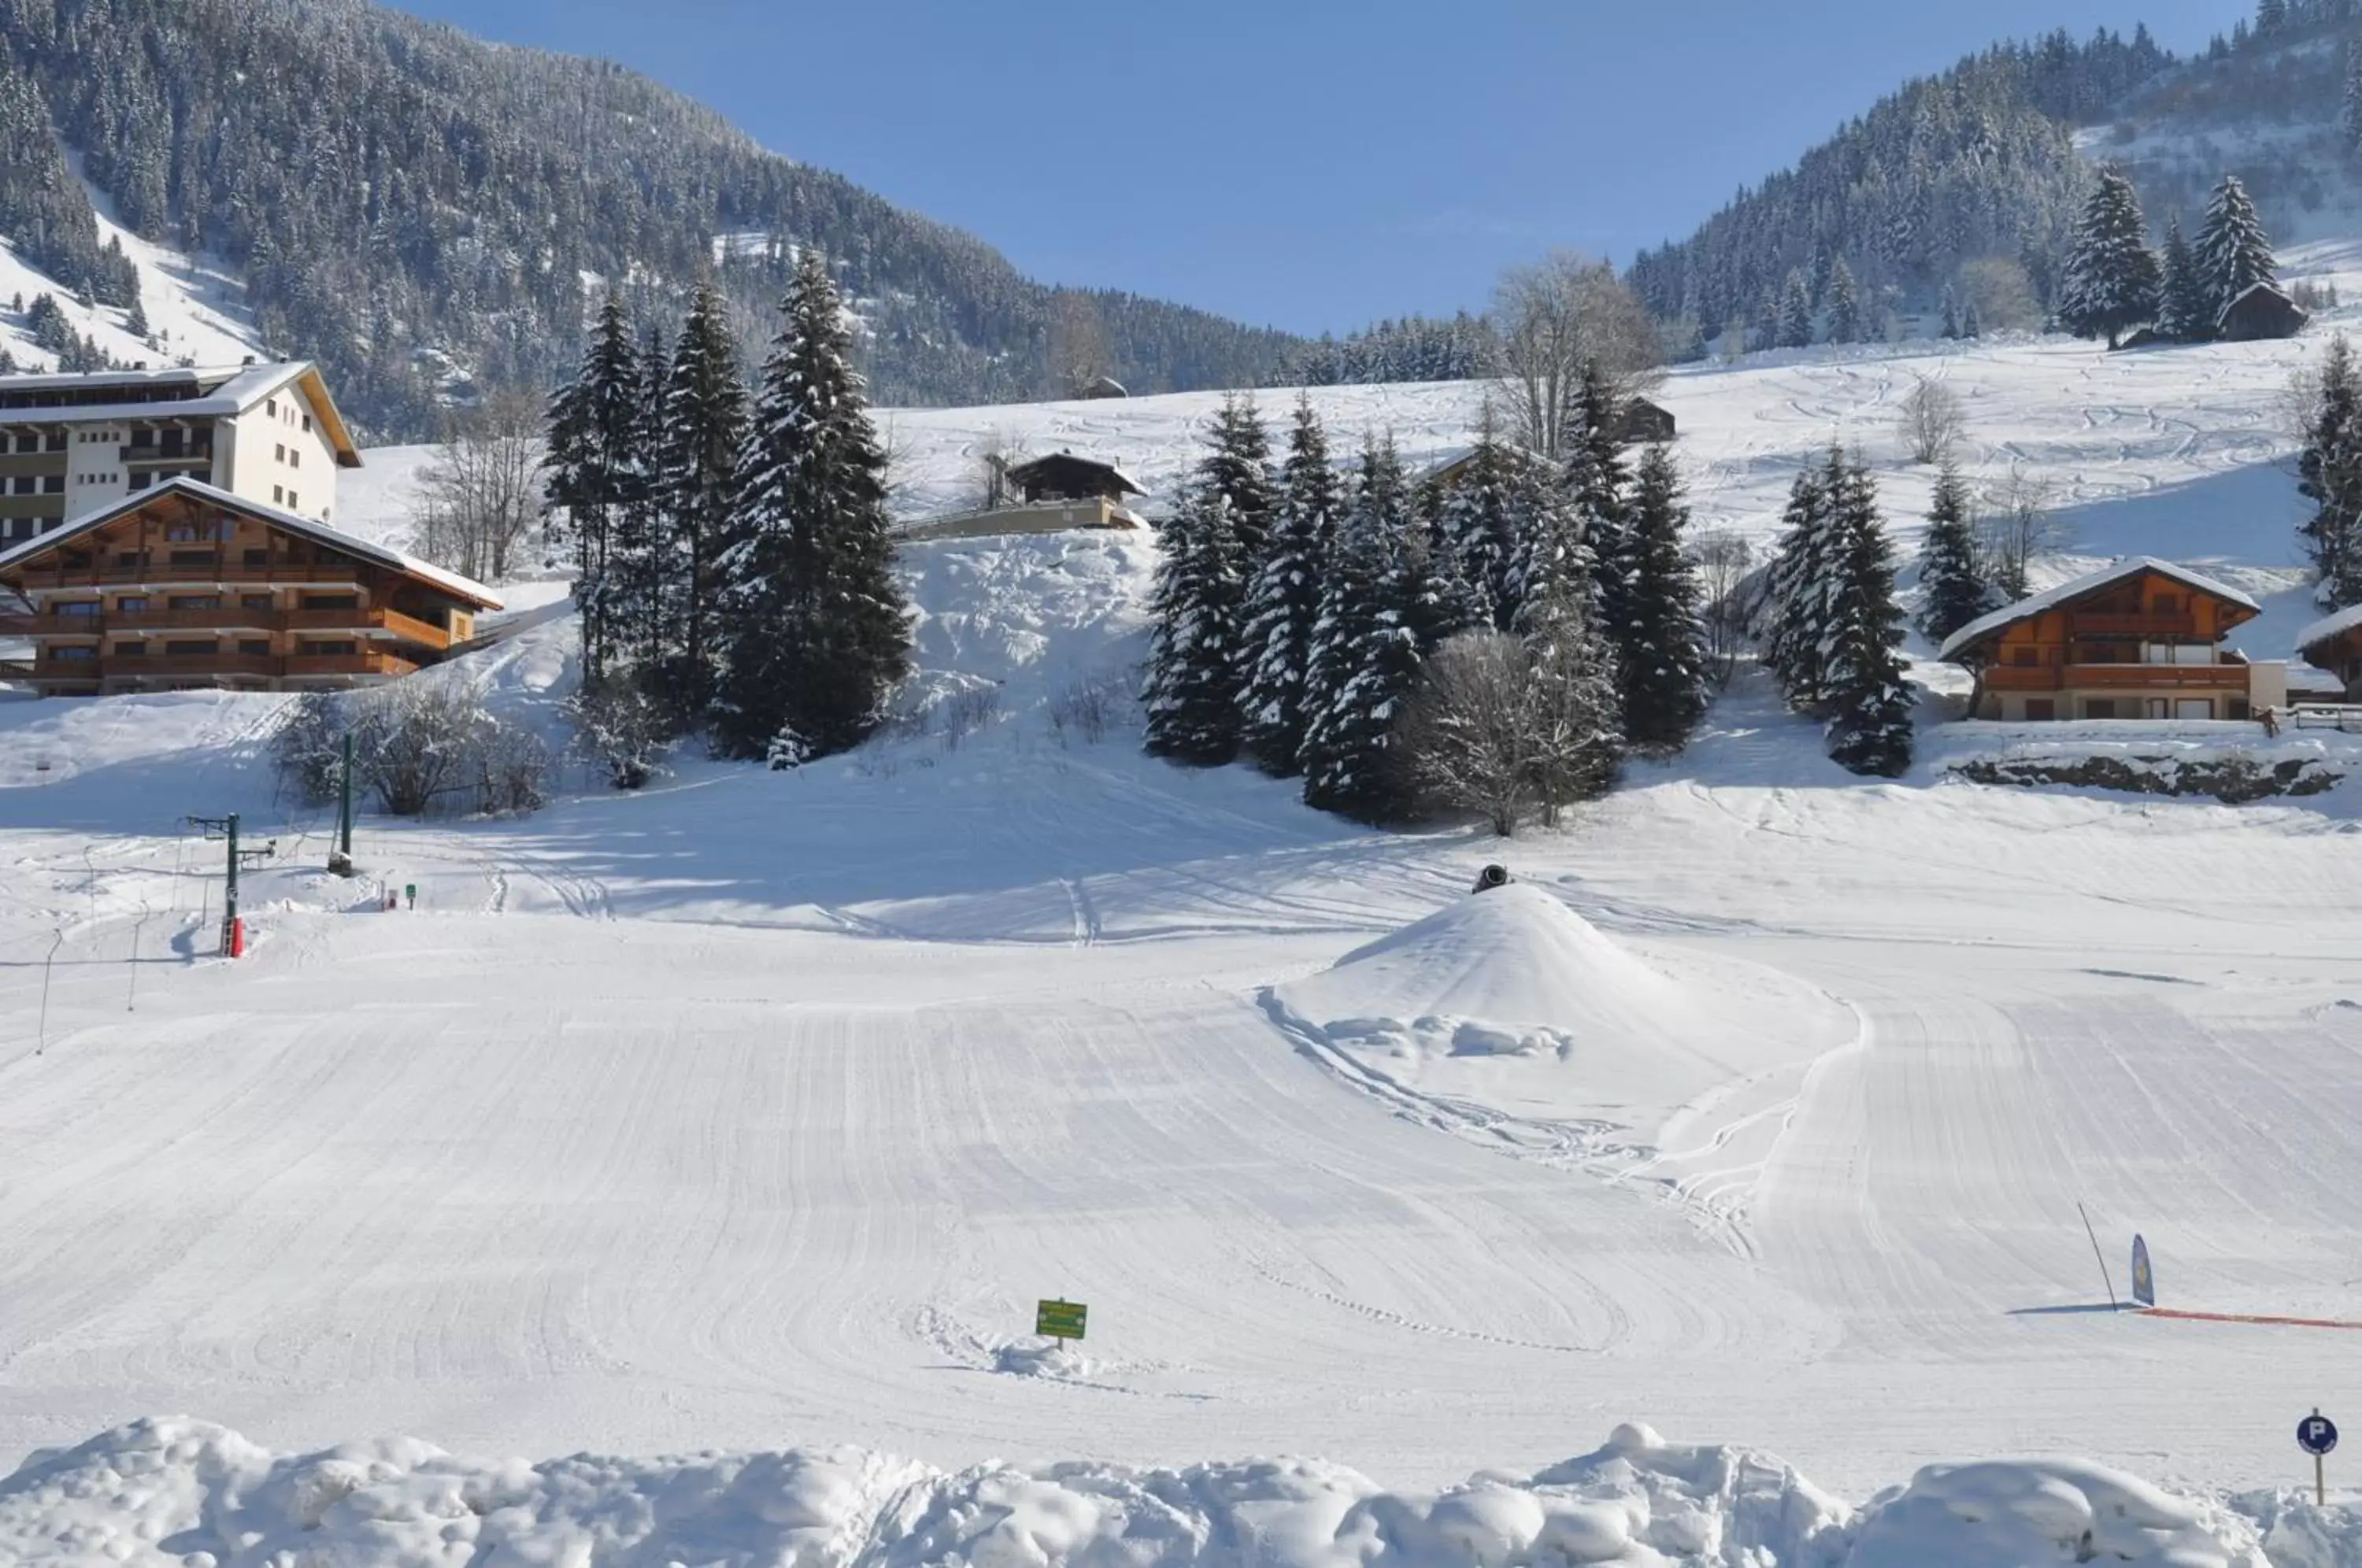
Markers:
308,750
1725,563
511,767
967,710
620,726
1932,422
1499,729
2002,294
996,453
1086,710
414,740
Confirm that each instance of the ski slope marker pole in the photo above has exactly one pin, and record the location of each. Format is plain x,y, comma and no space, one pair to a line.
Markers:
2107,1278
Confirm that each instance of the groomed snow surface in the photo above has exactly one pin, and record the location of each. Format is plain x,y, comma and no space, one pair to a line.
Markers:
753,1113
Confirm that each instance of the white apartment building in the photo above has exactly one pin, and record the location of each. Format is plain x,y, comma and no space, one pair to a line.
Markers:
73,444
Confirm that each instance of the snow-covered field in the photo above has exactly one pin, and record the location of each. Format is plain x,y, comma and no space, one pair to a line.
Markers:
755,1111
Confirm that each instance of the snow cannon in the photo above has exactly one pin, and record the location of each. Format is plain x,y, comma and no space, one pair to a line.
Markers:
1490,877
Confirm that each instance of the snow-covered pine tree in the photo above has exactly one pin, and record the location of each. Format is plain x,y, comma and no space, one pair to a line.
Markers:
1863,688
1478,520
1574,710
1661,657
1284,600
1238,467
2111,275
1843,299
2235,254
135,321
2184,310
1365,650
1953,588
1950,327
1798,583
1795,312
816,632
1971,324
703,437
1595,483
596,470
1198,658
2329,474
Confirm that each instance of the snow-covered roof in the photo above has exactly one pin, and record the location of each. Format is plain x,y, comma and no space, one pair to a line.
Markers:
1977,630
277,517
1114,473
2250,292
2329,626
216,393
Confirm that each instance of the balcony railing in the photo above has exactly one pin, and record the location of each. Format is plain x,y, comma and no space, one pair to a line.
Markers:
225,666
142,453
168,574
218,618
2150,676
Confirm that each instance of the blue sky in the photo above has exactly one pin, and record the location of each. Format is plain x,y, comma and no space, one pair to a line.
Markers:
1314,164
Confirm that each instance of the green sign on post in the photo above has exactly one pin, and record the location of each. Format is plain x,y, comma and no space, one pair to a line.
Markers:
1061,1320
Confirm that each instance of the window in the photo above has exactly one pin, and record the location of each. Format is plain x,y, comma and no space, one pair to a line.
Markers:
132,650
78,653
2194,708
193,558
56,442
307,424
2041,709
2026,658
278,495
196,601
26,484
131,604
2158,708
141,481
26,444
254,602
2099,707
278,453
2237,707
2167,604
332,602
259,558
191,649
294,458
255,648
292,501
271,407
76,609
55,484
330,649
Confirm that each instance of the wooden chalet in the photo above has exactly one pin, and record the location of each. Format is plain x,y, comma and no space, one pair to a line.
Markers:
2139,640
1644,424
2334,647
1054,495
2264,311
184,585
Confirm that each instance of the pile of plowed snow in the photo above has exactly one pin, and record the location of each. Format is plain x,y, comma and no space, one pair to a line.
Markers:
188,1493
1511,1000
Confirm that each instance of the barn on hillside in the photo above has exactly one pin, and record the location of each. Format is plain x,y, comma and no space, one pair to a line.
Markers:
2263,312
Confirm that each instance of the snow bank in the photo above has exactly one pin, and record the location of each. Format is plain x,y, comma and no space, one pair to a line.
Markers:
189,1493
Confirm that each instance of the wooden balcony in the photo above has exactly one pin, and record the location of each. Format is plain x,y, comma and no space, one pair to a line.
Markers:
160,573
2131,677
142,456
182,666
304,666
221,618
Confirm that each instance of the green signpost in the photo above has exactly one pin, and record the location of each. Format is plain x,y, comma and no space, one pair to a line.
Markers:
1061,1320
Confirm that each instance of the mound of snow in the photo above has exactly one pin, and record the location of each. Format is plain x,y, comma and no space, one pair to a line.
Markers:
188,1492
1511,1001
1510,972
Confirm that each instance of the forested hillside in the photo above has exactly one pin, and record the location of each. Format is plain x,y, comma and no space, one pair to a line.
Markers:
423,211
1977,163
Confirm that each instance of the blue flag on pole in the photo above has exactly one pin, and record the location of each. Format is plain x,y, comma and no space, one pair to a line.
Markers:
2144,1282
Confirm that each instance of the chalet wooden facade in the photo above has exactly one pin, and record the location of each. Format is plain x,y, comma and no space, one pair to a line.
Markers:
2263,313
185,585
1643,423
2334,647
2139,640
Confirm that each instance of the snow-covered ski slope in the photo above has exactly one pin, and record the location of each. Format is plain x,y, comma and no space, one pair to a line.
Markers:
756,1111
196,306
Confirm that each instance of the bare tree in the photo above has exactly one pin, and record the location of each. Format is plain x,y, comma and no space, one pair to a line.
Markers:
1554,317
1466,735
996,452
2017,524
481,495
2002,293
1078,348
1724,562
1932,421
